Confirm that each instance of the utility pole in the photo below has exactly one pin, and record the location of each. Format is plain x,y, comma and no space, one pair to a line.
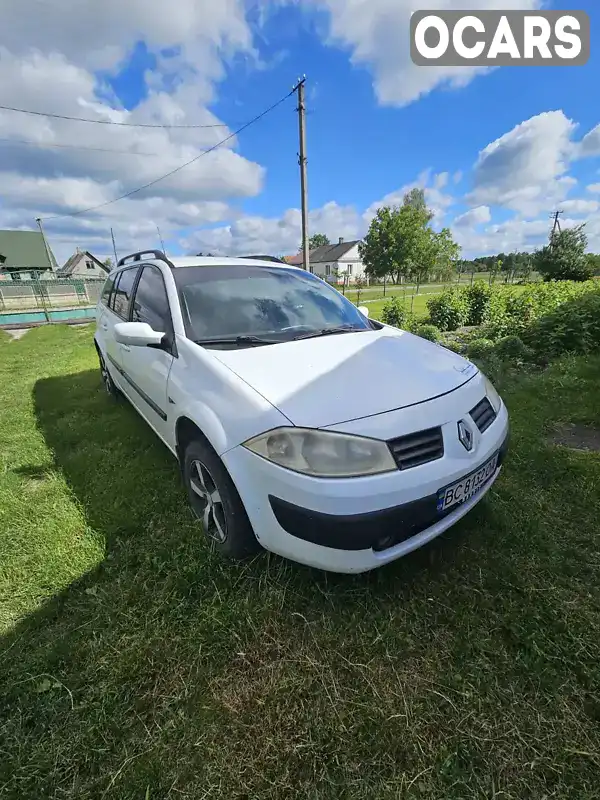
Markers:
161,240
48,254
302,162
114,247
555,216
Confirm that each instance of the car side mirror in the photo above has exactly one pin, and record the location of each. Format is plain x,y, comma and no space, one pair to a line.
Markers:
364,311
137,334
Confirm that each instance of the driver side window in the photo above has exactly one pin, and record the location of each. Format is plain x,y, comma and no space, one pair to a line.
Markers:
151,303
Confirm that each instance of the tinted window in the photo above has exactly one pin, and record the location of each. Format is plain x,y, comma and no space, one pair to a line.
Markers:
110,282
151,304
261,301
122,294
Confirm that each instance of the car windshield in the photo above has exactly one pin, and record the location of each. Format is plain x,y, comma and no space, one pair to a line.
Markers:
273,303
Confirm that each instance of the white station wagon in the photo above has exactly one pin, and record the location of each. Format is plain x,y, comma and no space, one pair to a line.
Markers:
300,425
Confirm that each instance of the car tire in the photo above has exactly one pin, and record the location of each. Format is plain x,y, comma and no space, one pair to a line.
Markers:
216,502
107,381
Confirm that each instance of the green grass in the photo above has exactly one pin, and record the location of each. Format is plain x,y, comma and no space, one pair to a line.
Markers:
137,665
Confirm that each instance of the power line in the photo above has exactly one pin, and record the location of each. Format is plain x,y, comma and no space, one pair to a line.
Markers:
77,147
180,167
105,121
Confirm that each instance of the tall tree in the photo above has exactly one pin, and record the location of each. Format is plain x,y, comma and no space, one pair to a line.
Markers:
564,258
401,242
415,198
316,240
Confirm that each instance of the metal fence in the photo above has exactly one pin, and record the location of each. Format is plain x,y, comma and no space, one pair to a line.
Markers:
40,294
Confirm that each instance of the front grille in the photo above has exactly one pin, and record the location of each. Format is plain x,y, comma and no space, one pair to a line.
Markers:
483,414
417,448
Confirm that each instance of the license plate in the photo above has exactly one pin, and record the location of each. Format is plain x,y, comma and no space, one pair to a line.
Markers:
466,487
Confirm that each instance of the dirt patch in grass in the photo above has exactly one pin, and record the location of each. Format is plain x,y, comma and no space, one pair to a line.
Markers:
577,437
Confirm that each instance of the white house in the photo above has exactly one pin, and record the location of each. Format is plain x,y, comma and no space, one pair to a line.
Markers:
335,262
83,264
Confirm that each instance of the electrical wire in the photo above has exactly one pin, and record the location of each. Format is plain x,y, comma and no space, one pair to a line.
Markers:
177,169
105,121
77,147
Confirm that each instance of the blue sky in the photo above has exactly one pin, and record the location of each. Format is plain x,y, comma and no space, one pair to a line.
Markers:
376,126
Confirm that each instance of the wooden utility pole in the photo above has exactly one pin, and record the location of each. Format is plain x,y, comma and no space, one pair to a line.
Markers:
555,216
302,162
162,244
39,222
114,247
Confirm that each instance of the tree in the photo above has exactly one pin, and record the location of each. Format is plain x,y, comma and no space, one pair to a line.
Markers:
415,198
108,263
316,240
564,258
402,243
593,261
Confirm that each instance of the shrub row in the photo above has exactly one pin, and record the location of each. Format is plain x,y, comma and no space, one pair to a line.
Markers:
502,311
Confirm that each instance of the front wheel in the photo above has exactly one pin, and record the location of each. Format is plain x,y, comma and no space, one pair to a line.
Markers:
216,502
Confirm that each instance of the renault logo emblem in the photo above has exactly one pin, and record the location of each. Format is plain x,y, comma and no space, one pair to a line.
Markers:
465,436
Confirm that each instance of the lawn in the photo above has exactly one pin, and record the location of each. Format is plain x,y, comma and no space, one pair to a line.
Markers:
136,665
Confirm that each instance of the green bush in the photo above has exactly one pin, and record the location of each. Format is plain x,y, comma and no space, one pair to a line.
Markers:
480,348
451,345
573,327
478,298
512,347
428,332
394,313
449,310
512,312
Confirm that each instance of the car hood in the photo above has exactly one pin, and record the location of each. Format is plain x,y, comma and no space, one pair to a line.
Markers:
337,378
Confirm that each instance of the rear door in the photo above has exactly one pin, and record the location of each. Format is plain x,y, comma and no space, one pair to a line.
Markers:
102,322
146,369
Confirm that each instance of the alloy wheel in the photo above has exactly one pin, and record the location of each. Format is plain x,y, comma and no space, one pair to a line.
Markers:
208,506
106,379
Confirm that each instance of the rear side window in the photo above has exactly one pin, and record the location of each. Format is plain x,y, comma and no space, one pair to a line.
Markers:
108,287
121,296
151,303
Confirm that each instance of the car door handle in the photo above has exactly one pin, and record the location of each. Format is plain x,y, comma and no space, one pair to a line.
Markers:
104,326
126,348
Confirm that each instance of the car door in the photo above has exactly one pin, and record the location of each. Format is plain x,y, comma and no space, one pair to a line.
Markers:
116,311
146,369
102,313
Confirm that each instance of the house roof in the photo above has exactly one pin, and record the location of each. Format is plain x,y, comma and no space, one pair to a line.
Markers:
70,265
331,252
25,250
327,252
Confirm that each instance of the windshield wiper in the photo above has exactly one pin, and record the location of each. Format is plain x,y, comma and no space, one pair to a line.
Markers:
328,331
238,341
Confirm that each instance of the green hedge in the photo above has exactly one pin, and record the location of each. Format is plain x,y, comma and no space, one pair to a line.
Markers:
573,327
503,311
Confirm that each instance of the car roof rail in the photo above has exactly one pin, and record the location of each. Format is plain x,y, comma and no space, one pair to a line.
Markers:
156,254
266,258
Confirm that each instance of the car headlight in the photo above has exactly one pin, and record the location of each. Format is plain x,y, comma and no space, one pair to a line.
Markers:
492,395
322,453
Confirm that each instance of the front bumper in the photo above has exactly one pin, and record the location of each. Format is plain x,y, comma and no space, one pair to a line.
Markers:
375,530
358,524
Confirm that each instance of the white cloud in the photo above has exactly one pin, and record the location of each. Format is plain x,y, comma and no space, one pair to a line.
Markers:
253,234
436,199
457,177
578,206
590,144
594,188
524,169
49,67
377,34
99,35
474,216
